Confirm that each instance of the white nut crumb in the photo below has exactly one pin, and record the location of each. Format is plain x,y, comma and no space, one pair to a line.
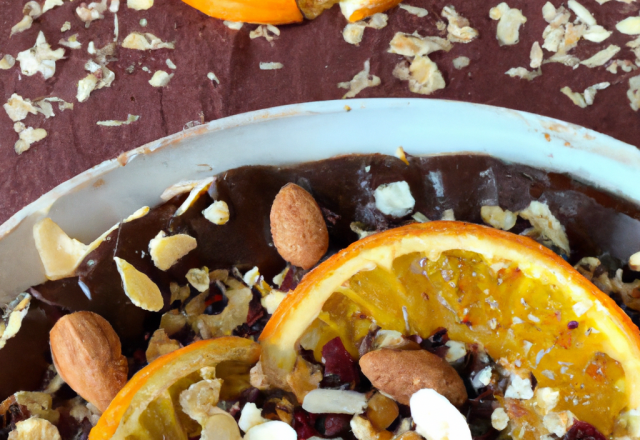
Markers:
519,388
7,62
596,33
522,73
160,79
394,199
362,428
234,25
535,55
250,416
423,75
217,213
142,292
272,301
547,398
268,31
166,251
71,42
251,277
629,26
457,350
147,41
198,278
499,419
634,262
201,187
271,430
458,30
460,62
257,378
18,108
543,220
411,45
582,100
94,11
139,5
29,136
323,401
360,81
634,92
601,57
271,66
34,429
436,418
482,378
583,13
171,65
414,10
353,33
558,423
40,58
420,217
498,218
510,20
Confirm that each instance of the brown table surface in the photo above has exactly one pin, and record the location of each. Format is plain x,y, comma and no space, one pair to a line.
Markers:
315,59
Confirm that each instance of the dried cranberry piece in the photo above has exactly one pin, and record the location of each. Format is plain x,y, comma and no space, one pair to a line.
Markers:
256,311
572,325
329,216
303,423
339,363
436,342
583,431
334,424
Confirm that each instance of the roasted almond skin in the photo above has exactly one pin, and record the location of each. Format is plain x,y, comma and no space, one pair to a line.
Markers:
298,228
88,356
400,373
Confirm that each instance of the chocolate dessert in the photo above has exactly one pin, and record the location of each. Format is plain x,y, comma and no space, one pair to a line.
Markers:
237,248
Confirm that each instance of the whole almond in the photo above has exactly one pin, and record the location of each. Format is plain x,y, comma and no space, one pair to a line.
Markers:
298,228
88,356
400,373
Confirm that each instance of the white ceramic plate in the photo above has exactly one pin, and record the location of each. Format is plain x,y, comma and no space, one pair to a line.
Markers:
90,203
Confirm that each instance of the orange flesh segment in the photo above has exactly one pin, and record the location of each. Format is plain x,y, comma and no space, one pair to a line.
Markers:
250,11
373,7
462,292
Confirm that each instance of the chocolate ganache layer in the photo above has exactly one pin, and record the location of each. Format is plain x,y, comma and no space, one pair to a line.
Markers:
598,224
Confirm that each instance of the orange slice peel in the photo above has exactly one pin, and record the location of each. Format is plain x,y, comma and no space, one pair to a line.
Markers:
250,11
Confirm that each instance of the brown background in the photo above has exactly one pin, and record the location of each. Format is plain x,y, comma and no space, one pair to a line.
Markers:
315,59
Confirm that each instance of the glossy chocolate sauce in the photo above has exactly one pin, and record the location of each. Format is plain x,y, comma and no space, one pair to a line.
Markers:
598,224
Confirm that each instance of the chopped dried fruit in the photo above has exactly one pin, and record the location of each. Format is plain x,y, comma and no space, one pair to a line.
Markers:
142,292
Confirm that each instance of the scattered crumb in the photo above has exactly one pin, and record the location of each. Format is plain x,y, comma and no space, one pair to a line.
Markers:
71,42
361,81
139,5
535,55
460,62
601,57
268,31
7,62
510,20
170,64
66,26
112,123
146,41
28,136
212,76
419,12
160,79
353,32
634,92
234,25
411,45
586,98
143,22
423,75
522,73
271,66
40,58
458,30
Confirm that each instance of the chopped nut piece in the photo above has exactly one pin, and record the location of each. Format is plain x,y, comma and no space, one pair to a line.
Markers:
304,378
139,5
100,76
268,31
159,345
394,199
160,79
272,301
50,4
7,62
634,92
498,218
416,45
233,315
567,60
18,108
166,251
113,123
448,214
414,10
363,429
582,100
16,311
235,25
40,58
321,401
173,321
179,293
420,217
423,75
353,32
181,188
519,388
559,423
200,399
93,12
583,13
535,55
601,57
457,350
222,426
508,32
147,41
71,42
142,292
198,278
597,34
361,81
499,419
217,213
634,262
212,76
252,277
543,220
460,62
171,65
201,188
257,378
522,73
458,30
271,66
251,416
547,399
629,26
436,418
66,26
274,429
34,429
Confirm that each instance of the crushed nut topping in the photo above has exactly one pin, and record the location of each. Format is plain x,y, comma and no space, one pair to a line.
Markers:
234,25
14,313
353,32
146,41
18,108
139,5
535,55
498,218
510,20
268,31
458,30
159,345
414,10
94,11
423,75
545,223
71,42
629,26
522,73
27,136
602,57
40,58
31,11
416,45
361,81
7,62
634,92
271,66
35,429
160,79
586,98
114,123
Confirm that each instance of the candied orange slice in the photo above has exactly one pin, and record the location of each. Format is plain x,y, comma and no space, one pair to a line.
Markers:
527,307
250,11
147,407
356,10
